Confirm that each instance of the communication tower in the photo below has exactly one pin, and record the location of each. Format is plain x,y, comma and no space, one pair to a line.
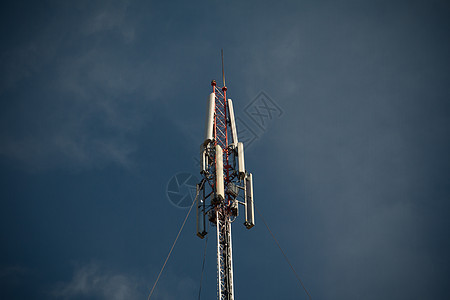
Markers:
225,183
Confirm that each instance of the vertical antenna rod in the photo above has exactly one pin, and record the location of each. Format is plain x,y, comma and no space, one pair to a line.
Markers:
223,71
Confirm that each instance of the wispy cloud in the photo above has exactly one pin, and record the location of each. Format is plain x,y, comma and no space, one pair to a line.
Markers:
92,281
96,282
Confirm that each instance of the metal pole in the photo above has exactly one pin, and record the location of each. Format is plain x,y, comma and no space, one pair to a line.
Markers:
219,256
224,256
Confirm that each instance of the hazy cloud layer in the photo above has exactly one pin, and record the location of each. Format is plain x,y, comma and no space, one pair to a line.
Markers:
92,281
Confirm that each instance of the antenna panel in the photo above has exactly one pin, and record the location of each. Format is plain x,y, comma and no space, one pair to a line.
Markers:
232,122
249,206
219,173
240,148
203,159
209,133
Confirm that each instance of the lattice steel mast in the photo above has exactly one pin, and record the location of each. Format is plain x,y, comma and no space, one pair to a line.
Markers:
225,178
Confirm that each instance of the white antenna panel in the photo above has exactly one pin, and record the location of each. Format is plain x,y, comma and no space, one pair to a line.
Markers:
241,162
249,209
203,159
233,123
219,173
209,133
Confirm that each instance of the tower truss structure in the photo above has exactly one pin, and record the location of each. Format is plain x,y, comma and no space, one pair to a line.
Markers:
228,184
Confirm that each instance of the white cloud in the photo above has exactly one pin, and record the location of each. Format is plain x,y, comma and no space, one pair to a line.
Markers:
90,280
96,282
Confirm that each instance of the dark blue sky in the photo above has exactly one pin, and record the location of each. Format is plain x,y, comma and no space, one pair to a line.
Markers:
103,102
